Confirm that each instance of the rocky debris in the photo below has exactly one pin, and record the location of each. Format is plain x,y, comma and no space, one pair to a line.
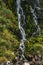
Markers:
35,60
32,60
7,63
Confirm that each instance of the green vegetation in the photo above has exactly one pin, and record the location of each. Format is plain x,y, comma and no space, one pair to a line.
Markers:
10,34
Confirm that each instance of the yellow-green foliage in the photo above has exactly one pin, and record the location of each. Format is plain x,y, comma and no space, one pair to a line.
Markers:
9,55
8,37
34,46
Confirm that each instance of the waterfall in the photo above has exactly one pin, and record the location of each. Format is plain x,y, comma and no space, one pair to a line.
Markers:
22,46
19,13
36,3
35,17
19,8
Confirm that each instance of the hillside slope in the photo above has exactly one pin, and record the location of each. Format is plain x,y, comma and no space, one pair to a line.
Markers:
10,35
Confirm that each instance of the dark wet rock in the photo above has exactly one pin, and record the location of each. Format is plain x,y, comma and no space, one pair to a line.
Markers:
29,58
14,61
36,58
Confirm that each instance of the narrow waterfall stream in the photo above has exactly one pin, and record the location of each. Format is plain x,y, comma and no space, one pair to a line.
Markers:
19,19
22,46
35,21
36,5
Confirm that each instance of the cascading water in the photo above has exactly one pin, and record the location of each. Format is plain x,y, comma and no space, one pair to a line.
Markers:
36,3
19,19
22,46
35,17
